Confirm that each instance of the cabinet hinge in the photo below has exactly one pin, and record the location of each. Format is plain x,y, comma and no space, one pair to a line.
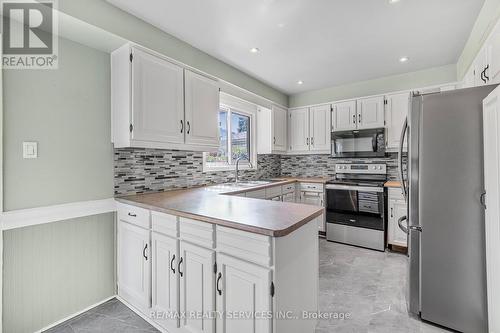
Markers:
131,128
215,268
272,289
131,57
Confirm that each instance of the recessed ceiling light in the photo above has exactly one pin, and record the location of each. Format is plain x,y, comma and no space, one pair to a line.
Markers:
254,50
393,1
281,25
300,82
404,59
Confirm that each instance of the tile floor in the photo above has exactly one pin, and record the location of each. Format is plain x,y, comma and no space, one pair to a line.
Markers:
367,285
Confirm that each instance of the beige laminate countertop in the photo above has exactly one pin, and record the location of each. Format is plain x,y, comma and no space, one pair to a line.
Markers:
208,204
322,180
392,183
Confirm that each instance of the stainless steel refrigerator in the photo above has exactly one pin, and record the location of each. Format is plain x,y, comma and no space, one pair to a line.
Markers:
445,224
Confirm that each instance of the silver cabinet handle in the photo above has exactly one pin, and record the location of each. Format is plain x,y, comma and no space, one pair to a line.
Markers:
182,126
132,214
392,212
354,119
312,141
359,118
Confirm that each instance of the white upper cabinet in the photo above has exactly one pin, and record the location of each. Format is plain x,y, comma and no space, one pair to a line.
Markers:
396,110
156,103
493,56
319,128
299,130
309,130
279,129
157,99
370,112
242,287
271,130
202,110
344,116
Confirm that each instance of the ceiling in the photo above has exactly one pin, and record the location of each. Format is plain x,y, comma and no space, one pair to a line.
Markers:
320,42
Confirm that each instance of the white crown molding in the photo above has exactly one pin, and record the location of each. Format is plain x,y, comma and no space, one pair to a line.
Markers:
40,215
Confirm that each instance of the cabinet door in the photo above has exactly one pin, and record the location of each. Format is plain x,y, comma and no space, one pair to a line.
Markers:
319,128
370,112
299,130
134,265
493,71
242,287
165,291
157,99
344,116
395,114
202,110
491,121
197,287
279,129
290,197
397,237
480,67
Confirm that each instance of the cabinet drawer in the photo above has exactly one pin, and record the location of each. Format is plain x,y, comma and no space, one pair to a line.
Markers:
245,245
197,232
289,188
311,187
272,192
165,224
259,194
132,214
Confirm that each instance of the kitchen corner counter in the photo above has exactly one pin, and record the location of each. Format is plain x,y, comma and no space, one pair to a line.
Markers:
207,204
393,183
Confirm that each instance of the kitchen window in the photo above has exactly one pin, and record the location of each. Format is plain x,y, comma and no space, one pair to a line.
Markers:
236,137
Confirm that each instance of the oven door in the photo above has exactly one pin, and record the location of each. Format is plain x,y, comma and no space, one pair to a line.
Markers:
357,206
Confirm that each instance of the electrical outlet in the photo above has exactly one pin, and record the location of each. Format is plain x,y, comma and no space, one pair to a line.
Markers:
30,149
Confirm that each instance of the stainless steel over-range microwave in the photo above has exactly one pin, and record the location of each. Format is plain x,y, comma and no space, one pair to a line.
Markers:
362,143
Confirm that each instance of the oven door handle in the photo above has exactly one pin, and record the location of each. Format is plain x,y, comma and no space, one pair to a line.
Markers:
354,188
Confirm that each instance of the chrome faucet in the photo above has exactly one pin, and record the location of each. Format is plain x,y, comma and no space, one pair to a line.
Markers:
236,179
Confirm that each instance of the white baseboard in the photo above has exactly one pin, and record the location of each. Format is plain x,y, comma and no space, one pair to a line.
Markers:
142,315
40,215
75,314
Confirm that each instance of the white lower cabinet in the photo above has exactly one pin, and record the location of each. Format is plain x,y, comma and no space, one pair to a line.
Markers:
313,194
243,288
197,294
397,209
198,268
165,278
134,265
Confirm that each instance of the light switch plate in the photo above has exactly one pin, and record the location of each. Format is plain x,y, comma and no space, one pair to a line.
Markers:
30,149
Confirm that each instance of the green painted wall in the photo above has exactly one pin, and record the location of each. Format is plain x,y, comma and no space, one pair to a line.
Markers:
419,79
67,111
110,18
54,270
485,22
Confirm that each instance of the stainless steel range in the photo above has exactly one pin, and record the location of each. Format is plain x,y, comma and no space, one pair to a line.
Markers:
355,205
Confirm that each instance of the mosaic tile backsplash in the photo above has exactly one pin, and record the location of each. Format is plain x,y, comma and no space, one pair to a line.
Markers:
138,170
324,165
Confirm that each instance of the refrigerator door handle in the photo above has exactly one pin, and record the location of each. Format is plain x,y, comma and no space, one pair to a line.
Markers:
400,159
401,226
482,199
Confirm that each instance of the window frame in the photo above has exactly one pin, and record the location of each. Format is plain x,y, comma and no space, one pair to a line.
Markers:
239,106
